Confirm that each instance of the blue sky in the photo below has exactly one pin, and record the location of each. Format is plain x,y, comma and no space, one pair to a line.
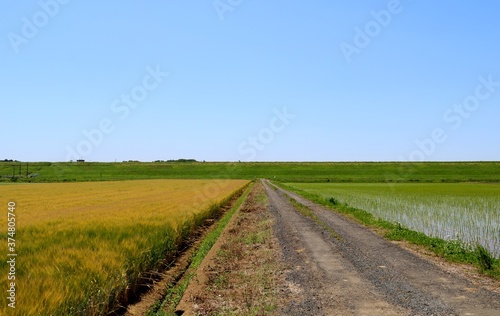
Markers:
250,80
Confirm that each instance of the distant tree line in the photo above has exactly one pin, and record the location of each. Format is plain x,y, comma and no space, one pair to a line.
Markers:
177,160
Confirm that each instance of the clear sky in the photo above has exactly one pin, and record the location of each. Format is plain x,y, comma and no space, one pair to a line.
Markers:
250,80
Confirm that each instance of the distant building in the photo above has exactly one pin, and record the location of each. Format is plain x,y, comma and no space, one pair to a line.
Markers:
80,160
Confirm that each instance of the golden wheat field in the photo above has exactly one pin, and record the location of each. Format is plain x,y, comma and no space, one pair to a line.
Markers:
81,247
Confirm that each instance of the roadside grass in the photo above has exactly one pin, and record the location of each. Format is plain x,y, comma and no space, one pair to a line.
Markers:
167,305
247,264
242,278
451,250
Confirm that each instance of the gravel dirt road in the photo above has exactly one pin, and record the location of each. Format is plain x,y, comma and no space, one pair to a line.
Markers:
353,271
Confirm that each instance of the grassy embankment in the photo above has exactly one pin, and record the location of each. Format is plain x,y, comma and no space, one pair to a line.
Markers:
282,171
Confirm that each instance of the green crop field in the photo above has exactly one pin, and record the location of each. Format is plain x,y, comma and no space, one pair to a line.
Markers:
282,171
469,212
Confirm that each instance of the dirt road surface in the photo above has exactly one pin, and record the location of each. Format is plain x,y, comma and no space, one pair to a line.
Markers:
356,272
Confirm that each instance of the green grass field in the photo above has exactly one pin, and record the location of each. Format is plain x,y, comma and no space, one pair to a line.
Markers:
282,171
